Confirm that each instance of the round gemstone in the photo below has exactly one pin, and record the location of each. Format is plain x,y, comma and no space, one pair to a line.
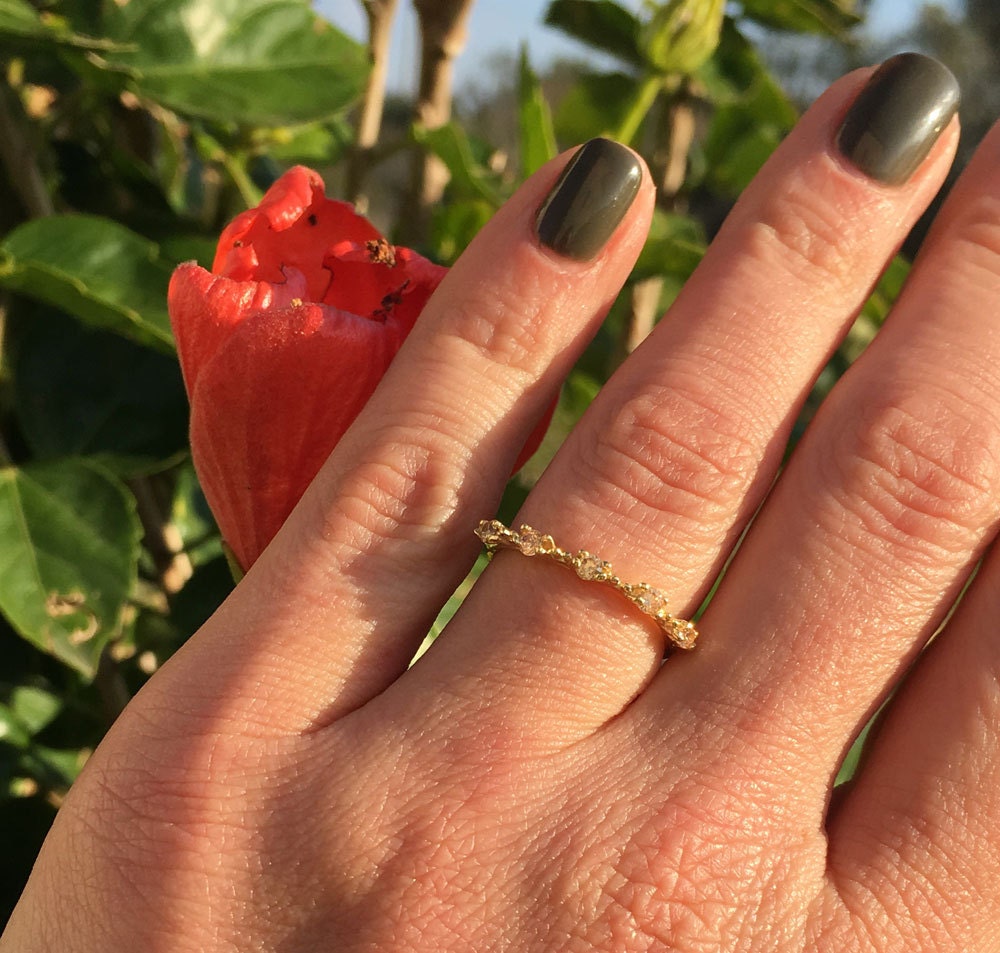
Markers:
590,567
531,541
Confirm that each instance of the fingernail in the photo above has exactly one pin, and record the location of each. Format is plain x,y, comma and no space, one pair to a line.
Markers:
898,117
591,197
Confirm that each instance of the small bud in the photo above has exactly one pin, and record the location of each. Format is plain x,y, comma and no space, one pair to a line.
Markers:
682,34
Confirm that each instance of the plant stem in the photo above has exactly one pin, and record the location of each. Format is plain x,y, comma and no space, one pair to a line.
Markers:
6,460
20,158
111,686
238,173
380,15
669,159
173,566
649,89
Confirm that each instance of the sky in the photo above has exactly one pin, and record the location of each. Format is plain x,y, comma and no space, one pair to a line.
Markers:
503,25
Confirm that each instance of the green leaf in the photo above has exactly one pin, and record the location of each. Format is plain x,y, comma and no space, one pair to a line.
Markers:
596,105
832,17
94,269
601,24
453,604
674,246
733,161
753,114
53,769
736,75
19,21
875,311
185,247
455,224
257,62
33,707
887,290
852,760
69,559
83,392
13,731
18,18
538,138
468,175
319,143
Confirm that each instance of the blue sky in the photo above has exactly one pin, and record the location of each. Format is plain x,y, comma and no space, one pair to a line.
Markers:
505,24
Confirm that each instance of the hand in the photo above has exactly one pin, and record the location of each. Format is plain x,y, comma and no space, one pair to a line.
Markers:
538,781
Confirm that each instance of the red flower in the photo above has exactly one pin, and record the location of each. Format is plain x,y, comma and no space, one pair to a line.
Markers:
283,343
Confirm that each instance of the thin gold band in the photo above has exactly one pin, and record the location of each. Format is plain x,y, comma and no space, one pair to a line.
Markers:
647,599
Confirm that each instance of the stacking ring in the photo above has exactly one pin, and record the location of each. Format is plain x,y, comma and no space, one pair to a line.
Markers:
647,599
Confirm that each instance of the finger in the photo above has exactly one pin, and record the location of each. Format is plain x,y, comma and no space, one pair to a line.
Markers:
350,586
678,449
883,510
914,840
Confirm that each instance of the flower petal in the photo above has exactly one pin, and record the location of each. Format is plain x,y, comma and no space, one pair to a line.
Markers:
270,406
204,309
295,225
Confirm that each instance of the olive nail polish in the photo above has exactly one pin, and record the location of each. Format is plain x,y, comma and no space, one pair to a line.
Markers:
898,117
591,197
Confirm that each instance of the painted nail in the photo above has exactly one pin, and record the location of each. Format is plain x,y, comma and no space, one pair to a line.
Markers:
591,197
898,117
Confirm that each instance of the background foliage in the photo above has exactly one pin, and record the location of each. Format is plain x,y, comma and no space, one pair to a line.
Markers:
131,131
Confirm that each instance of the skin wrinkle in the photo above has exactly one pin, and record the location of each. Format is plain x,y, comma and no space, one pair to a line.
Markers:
500,326
411,487
799,235
911,480
975,234
643,458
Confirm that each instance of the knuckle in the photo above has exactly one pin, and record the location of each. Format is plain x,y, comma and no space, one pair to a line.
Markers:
503,327
919,467
682,452
975,253
979,223
802,232
406,489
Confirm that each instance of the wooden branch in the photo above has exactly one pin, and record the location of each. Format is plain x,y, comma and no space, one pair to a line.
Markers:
380,15
442,38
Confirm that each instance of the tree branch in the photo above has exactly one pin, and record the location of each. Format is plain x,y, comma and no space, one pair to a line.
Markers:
380,15
442,38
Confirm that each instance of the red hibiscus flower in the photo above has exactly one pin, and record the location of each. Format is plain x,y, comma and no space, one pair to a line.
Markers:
281,345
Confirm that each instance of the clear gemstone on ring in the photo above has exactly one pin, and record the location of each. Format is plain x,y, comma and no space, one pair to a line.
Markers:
589,567
491,532
531,542
651,601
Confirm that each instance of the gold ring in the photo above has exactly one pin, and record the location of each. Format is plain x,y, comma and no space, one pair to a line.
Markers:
647,599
